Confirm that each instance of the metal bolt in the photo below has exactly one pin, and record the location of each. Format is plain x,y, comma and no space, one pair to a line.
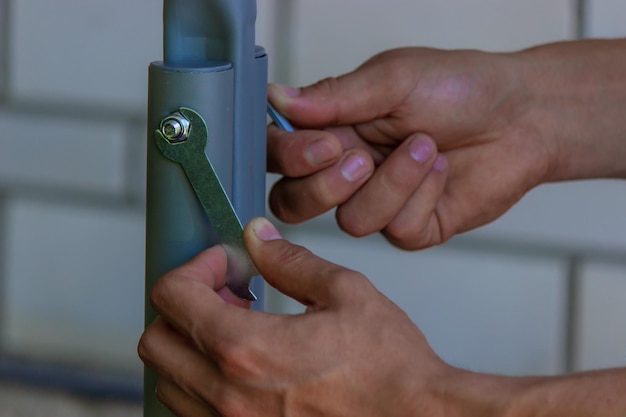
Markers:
175,127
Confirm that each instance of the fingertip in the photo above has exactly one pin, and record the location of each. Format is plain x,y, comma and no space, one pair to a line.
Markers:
422,148
441,163
356,167
280,95
263,229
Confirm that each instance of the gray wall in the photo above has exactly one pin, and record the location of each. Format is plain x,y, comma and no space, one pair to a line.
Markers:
539,291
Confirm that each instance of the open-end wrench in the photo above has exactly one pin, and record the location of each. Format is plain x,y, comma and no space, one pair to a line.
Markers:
182,138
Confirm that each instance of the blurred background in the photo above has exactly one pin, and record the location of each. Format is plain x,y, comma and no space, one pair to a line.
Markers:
539,291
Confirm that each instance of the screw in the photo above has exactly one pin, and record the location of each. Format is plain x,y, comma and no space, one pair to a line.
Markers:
175,127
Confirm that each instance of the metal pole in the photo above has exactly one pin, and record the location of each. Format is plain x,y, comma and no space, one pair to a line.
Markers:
211,64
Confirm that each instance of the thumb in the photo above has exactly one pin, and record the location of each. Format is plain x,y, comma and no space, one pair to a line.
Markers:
294,270
357,97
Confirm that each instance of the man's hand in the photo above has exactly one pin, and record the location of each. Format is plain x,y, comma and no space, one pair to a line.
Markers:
418,143
352,353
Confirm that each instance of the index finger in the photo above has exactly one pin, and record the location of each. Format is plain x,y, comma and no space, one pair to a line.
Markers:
196,289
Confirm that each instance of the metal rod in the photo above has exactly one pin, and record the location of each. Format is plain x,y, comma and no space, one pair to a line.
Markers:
581,11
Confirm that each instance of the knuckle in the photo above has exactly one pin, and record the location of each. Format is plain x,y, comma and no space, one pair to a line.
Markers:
417,236
350,285
398,182
330,88
159,292
280,203
275,164
281,153
283,159
408,244
291,256
346,280
402,233
407,237
236,359
162,390
322,195
351,224
145,347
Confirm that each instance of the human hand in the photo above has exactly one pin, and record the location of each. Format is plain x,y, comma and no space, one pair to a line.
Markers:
352,353
418,143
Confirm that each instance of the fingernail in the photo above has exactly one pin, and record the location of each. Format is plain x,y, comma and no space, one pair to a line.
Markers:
354,167
422,149
441,163
265,230
321,151
287,91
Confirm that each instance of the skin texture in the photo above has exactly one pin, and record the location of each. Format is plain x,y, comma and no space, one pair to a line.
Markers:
353,352
419,144
259,364
501,124
454,100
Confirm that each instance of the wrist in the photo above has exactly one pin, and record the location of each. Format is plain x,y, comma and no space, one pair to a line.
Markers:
574,96
470,394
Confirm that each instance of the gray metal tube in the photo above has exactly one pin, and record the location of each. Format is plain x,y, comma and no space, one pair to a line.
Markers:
176,225
197,30
211,65
252,193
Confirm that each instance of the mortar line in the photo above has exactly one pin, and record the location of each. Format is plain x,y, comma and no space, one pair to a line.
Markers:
4,245
88,383
73,110
74,197
5,9
132,152
581,22
572,313
537,249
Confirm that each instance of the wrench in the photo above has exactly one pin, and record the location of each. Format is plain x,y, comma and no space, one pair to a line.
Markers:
185,145
278,119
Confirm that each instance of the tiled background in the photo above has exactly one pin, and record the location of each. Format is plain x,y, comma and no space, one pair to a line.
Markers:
540,291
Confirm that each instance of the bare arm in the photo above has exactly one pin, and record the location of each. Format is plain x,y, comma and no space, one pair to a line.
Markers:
585,394
577,100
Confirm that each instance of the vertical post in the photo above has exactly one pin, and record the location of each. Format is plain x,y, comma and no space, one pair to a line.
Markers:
211,64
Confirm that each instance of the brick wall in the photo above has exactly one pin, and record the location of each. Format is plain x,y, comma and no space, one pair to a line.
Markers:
538,291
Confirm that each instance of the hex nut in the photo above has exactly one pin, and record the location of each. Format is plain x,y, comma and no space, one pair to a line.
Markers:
175,127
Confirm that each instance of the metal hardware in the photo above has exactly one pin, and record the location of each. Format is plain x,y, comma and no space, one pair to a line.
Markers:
175,127
278,119
189,153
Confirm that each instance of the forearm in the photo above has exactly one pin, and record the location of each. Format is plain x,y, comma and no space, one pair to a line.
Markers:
576,99
596,393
